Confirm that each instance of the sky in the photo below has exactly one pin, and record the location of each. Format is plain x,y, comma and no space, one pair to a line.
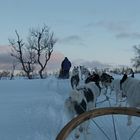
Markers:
34,110
92,30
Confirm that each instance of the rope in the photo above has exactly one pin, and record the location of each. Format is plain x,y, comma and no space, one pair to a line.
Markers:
107,98
102,101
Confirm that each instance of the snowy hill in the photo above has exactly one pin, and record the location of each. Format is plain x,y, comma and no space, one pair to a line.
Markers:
34,110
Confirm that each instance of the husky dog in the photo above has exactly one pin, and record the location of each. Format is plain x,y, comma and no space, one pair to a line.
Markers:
84,72
131,89
106,80
93,78
81,100
75,78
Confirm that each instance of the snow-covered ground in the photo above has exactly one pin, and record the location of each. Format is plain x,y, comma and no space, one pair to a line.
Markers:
34,110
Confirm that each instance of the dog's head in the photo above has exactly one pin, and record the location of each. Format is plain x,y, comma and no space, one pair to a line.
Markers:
75,71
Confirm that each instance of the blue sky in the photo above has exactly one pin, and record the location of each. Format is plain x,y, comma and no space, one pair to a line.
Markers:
93,30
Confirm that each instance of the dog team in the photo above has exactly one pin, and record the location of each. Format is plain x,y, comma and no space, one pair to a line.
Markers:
83,96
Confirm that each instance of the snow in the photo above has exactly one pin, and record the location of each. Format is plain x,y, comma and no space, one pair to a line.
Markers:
34,110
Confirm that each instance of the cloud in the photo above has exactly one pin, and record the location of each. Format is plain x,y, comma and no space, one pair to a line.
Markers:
109,25
124,35
121,29
72,40
5,57
55,61
6,60
5,49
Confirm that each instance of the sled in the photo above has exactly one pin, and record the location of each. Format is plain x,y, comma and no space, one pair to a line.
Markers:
92,115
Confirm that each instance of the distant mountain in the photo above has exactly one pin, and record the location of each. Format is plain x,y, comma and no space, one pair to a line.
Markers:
54,64
90,64
96,64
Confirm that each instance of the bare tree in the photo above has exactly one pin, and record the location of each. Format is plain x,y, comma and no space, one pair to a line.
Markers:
42,42
136,59
23,54
13,69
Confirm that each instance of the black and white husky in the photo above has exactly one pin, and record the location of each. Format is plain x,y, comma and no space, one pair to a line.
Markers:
81,100
75,77
106,80
84,72
131,89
